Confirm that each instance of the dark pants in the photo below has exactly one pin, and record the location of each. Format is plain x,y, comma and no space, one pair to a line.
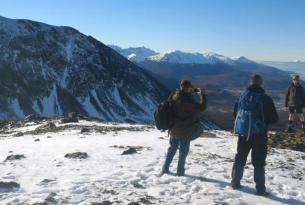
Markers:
184,147
258,145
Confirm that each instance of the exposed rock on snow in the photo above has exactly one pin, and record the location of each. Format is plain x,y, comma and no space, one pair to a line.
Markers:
50,126
288,141
134,203
208,134
77,155
14,157
129,151
47,181
18,134
137,148
8,186
71,117
102,203
137,185
51,198
85,130
33,118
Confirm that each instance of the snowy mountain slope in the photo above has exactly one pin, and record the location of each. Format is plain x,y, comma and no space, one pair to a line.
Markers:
198,58
217,58
45,175
53,70
180,57
242,59
134,54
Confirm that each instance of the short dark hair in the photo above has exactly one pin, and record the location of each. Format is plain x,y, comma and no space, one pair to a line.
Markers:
296,76
185,84
256,79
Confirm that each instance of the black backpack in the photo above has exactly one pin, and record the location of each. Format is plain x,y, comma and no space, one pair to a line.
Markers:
164,115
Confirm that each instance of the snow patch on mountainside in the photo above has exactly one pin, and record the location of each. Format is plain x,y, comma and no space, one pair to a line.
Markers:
90,109
17,109
69,49
63,81
50,103
116,96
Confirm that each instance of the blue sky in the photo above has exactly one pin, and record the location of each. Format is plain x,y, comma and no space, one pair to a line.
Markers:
258,29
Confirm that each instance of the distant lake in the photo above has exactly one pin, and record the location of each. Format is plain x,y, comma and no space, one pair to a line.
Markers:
291,67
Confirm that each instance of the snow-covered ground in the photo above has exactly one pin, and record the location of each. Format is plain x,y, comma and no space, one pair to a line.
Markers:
121,179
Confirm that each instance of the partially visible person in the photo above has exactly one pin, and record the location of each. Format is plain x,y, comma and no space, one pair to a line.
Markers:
253,114
187,126
295,101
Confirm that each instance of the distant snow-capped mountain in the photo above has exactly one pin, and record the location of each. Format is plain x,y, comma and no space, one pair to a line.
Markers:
135,54
198,58
180,57
53,70
242,59
217,58
139,54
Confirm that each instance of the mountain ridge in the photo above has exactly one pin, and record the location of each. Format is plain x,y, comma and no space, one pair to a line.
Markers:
53,70
180,57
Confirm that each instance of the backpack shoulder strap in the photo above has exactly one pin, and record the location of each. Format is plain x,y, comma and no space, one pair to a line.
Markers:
170,97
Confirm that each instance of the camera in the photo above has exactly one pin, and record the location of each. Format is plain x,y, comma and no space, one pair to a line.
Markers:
197,90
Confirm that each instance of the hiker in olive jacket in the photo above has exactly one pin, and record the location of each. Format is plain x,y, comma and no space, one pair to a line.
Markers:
295,101
186,126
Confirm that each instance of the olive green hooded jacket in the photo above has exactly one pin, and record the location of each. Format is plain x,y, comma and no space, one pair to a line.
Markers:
186,121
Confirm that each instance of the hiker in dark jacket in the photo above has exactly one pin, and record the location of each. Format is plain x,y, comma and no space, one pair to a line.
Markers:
187,125
256,143
295,101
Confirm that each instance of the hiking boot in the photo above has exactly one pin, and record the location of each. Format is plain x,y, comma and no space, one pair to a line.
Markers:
262,193
290,130
236,186
180,174
163,172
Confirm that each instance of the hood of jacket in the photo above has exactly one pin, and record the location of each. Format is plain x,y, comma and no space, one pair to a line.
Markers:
256,88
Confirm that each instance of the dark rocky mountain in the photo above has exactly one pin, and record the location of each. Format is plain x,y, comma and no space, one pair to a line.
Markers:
219,75
208,69
54,70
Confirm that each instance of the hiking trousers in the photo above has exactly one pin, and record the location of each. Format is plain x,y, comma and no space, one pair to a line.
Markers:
258,147
184,147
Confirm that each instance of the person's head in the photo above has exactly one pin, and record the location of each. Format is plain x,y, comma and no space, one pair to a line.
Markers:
186,86
296,79
256,80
